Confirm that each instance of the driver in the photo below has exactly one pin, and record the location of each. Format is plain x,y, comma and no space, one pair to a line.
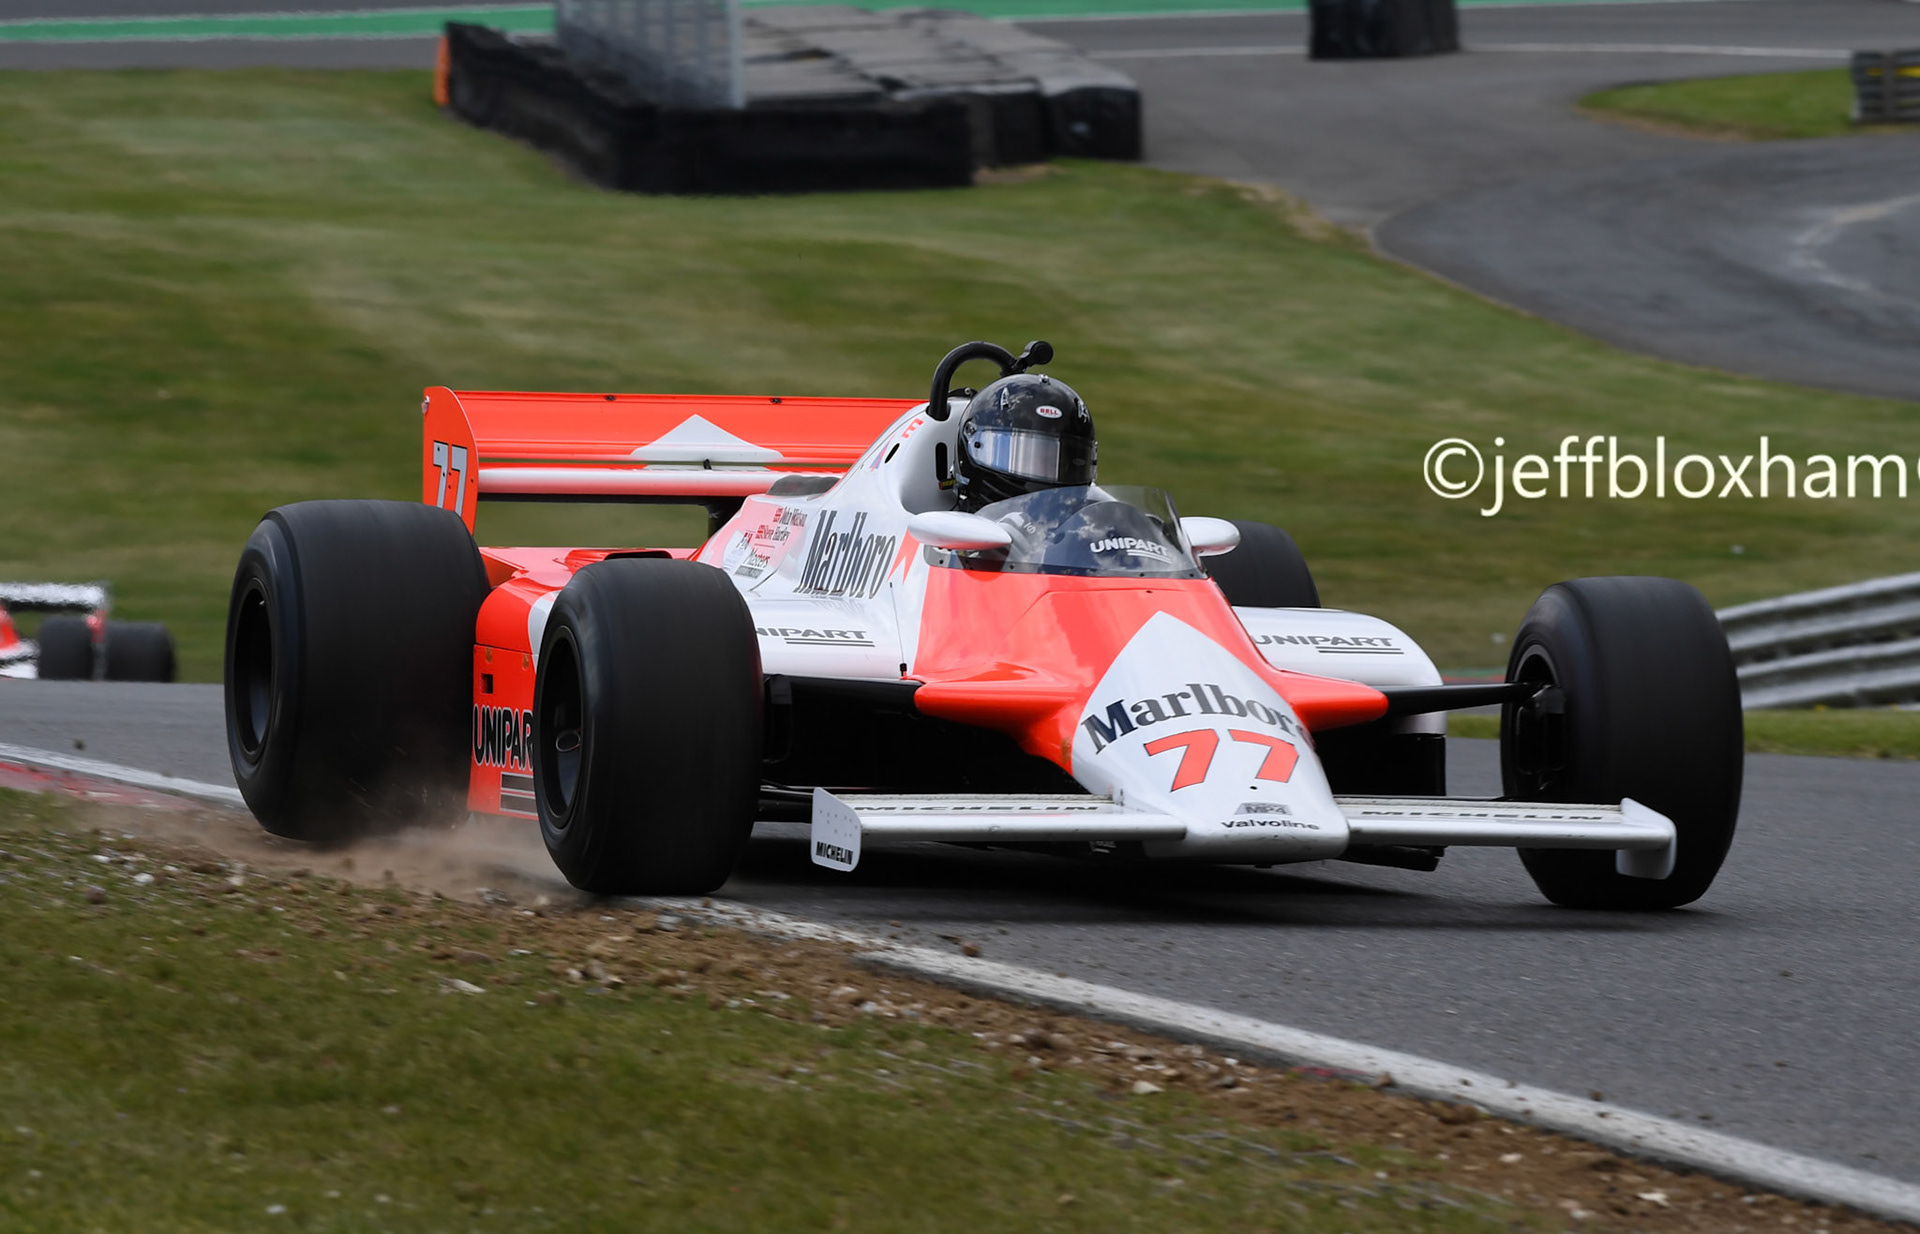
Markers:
1022,434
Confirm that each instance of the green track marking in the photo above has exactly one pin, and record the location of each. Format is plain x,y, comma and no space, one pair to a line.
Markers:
1039,10
409,23
380,24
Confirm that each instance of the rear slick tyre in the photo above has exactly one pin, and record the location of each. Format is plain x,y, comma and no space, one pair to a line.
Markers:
1645,705
349,667
648,729
1266,570
66,649
139,651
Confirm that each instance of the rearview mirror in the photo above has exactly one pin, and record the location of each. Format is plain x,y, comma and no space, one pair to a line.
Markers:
952,529
1210,537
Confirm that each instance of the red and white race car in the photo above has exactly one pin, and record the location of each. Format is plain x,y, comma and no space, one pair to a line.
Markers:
80,643
852,648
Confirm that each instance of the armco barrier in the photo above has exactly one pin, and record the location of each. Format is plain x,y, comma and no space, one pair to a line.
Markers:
1857,645
596,122
1886,86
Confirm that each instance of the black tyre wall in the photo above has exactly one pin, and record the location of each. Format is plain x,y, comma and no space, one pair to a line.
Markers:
1651,711
656,666
1267,570
139,651
66,649
349,664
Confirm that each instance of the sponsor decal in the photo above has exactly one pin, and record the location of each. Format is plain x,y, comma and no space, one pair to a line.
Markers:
760,546
795,636
1236,822
1132,546
832,853
1121,717
503,737
1048,413
849,561
1334,644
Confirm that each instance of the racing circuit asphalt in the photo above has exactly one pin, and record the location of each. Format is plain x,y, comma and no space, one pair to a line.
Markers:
1779,1009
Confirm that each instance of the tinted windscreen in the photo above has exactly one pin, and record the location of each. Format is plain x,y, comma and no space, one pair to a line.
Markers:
1104,530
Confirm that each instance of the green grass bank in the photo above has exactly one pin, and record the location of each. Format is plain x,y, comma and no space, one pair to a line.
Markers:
1751,107
224,291
1864,732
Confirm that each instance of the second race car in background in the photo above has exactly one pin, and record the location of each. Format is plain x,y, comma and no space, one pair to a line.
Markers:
78,641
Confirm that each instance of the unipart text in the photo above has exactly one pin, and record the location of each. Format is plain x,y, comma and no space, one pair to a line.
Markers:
503,737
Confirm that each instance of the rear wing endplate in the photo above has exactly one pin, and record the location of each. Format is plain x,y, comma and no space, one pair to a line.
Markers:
634,447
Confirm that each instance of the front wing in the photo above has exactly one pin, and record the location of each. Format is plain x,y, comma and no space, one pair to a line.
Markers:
1643,840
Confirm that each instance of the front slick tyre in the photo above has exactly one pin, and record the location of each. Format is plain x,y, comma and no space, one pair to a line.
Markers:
349,667
647,721
1647,706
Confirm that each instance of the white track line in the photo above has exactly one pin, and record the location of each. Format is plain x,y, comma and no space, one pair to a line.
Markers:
53,761
1628,1131
1598,49
1669,49
1194,53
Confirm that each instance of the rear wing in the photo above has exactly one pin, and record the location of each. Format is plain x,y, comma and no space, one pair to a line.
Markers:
56,597
482,444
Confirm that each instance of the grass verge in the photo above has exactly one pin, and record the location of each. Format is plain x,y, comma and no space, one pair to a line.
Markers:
1751,107
189,1042
1853,732
225,291
218,1048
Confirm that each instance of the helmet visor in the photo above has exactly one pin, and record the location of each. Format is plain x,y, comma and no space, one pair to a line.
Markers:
1041,457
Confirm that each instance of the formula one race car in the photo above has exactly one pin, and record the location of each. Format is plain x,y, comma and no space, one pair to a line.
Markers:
928,620
86,647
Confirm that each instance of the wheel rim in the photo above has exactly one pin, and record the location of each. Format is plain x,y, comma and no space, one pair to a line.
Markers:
1538,727
560,727
253,672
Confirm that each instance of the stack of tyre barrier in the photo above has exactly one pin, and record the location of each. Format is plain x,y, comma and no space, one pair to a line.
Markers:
837,98
1380,29
1027,97
1886,86
595,121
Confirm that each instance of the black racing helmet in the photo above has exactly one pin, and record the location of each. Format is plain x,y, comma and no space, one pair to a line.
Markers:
1021,434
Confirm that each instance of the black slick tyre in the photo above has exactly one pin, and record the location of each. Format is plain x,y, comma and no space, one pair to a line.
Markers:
139,651
66,649
648,730
349,666
1643,703
1267,570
